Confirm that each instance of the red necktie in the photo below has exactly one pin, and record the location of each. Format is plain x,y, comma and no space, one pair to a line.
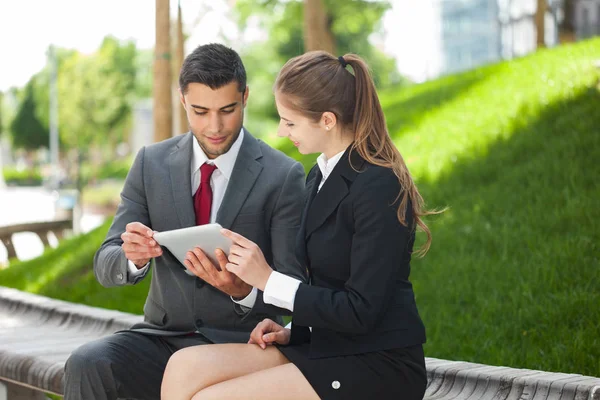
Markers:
203,196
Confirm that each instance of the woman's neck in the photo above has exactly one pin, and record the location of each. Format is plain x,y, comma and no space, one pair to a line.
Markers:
338,146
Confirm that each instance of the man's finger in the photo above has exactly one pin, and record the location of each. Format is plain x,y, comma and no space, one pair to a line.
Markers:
208,266
137,255
237,238
130,237
138,227
221,258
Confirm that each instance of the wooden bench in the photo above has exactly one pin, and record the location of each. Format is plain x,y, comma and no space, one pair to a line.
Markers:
42,229
37,334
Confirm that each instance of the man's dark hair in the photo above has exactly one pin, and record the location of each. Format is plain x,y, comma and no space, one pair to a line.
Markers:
213,65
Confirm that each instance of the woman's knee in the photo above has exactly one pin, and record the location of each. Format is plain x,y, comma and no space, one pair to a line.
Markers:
183,375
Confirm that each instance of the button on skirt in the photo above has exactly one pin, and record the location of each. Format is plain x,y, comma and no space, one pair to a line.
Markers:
390,374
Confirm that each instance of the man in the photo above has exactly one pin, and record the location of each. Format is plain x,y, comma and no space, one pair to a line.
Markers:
218,172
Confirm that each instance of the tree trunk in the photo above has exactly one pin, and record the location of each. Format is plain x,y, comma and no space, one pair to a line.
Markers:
317,27
162,108
180,55
540,14
567,28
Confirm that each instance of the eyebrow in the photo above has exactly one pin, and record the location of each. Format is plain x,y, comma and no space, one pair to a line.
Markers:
285,119
222,108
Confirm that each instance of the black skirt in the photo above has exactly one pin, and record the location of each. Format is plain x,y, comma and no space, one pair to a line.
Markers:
389,374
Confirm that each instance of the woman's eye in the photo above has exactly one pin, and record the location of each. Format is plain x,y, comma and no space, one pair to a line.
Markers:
289,125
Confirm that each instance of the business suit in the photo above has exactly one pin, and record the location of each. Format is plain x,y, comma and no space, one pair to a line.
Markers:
359,303
263,202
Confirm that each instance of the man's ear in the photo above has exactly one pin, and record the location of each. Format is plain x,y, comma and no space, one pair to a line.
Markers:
181,98
245,96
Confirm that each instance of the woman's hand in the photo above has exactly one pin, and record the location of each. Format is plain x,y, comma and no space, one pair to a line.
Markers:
268,332
247,261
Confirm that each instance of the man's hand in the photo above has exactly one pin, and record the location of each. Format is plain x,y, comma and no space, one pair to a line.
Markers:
138,244
197,263
268,332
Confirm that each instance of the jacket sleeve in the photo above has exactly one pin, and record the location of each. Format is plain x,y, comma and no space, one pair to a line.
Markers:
285,224
110,263
378,245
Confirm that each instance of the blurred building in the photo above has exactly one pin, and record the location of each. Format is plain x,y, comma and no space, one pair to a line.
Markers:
587,18
457,35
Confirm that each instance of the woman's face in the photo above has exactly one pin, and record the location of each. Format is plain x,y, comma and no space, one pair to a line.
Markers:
308,136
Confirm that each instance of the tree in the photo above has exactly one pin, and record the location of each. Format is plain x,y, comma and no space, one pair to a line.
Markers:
317,27
27,130
162,107
95,95
1,111
540,16
350,22
2,183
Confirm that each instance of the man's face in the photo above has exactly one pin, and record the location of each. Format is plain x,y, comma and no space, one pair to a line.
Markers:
215,116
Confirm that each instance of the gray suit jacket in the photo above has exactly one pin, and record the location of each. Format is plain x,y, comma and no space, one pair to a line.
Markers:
263,202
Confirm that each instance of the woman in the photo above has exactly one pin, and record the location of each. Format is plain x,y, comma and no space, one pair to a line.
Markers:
356,332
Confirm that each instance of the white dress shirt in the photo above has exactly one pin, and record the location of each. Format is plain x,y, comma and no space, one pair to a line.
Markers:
218,182
281,289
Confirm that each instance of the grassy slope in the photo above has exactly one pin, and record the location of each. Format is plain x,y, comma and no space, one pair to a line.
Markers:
511,278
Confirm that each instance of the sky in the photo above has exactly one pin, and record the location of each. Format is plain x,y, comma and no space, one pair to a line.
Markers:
28,27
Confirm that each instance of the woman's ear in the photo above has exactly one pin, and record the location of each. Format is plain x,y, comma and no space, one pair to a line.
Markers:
328,120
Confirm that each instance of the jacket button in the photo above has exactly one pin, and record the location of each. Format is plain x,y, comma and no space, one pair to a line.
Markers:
200,283
199,323
335,384
120,277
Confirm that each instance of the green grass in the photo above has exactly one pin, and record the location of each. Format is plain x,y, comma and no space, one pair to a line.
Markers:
66,273
512,276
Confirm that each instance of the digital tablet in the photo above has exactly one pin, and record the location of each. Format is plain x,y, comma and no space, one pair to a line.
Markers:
207,237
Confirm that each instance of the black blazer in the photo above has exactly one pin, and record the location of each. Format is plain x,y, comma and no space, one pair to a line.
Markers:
358,257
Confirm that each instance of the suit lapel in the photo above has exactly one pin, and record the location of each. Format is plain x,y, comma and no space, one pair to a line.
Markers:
245,172
334,190
313,180
179,162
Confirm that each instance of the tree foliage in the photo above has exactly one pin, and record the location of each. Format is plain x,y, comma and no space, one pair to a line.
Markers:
352,23
27,130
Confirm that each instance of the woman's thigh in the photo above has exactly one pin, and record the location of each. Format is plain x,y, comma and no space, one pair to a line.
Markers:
281,382
194,368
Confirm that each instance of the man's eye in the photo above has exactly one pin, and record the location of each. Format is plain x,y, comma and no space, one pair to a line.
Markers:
199,113
228,111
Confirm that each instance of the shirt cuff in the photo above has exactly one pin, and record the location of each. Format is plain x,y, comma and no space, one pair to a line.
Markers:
280,290
249,300
134,271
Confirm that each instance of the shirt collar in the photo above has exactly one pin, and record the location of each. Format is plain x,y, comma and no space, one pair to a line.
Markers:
326,166
224,162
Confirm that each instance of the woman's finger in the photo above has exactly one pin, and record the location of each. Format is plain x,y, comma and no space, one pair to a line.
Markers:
237,238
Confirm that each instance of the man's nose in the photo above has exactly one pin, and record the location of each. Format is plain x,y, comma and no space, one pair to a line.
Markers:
215,124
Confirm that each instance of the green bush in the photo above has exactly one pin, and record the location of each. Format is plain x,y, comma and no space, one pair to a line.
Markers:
28,177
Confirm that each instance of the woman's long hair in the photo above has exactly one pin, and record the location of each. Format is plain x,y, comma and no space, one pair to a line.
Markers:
316,82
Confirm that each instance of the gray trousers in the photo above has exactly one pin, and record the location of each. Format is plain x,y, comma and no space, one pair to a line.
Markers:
127,365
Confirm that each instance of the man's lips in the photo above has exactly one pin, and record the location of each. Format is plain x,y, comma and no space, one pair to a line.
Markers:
216,140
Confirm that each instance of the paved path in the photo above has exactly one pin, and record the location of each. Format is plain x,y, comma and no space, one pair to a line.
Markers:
32,204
